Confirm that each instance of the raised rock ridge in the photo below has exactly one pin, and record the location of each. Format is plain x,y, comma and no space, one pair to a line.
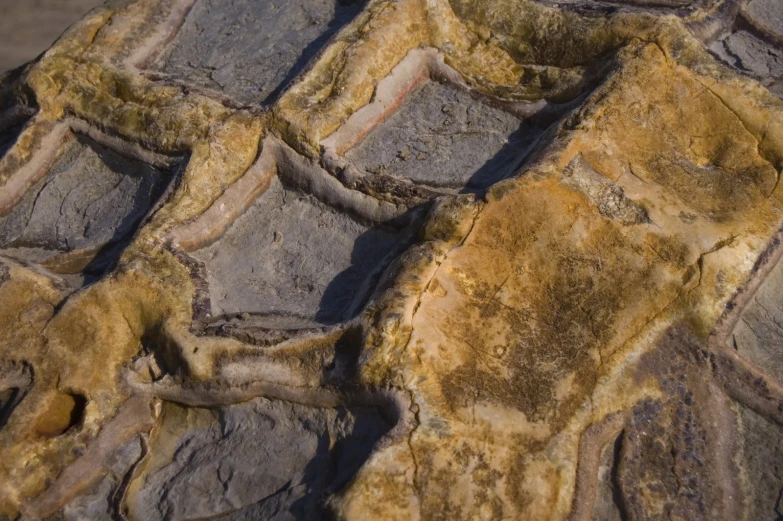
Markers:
395,259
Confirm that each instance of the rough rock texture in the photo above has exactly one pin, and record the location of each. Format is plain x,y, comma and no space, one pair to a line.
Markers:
237,450
295,261
754,43
466,259
90,200
443,138
250,50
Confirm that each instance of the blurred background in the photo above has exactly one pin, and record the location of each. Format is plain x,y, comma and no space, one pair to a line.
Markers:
29,27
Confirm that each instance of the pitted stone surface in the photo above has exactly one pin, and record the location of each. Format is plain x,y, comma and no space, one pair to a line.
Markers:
250,49
443,137
310,264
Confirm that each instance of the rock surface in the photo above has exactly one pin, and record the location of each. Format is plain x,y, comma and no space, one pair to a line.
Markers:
295,261
250,50
442,137
91,199
421,260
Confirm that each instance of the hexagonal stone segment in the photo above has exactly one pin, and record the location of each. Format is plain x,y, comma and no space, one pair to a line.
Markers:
90,197
442,137
251,49
295,261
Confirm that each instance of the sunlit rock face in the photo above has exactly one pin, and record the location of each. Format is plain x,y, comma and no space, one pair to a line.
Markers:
395,259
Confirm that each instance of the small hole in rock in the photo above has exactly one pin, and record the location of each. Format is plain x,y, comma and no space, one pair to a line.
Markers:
65,411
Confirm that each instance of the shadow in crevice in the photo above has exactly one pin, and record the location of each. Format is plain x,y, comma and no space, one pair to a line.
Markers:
8,137
117,208
617,496
148,192
262,459
345,11
373,251
507,161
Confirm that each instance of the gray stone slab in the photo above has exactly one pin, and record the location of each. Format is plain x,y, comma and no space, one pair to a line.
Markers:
261,460
443,137
91,197
8,138
294,260
762,449
752,55
758,336
770,13
250,49
97,504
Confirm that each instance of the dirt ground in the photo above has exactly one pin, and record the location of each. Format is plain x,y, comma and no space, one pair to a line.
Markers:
29,27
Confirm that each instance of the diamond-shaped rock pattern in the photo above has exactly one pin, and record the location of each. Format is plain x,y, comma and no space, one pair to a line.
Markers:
431,260
310,264
443,137
91,199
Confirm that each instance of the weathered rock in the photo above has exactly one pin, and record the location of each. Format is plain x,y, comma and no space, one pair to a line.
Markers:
92,199
251,50
442,259
442,137
270,460
295,262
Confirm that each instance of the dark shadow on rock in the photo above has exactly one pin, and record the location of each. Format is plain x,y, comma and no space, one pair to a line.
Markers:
507,161
345,11
8,137
346,294
330,470
148,192
263,459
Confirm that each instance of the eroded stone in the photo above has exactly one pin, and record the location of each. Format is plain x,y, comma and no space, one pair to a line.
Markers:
754,56
762,454
260,460
250,49
100,502
443,137
758,336
91,197
518,321
768,14
295,261
755,44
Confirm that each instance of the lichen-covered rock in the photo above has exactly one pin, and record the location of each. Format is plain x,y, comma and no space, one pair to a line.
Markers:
395,259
